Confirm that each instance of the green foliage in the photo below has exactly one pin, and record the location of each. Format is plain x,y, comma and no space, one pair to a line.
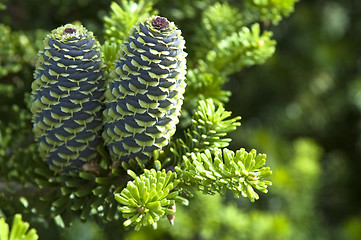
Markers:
280,216
211,218
18,52
270,10
240,172
352,229
149,197
311,93
241,49
17,49
226,45
109,51
2,5
14,137
8,63
86,231
209,128
203,84
122,17
217,23
19,230
87,193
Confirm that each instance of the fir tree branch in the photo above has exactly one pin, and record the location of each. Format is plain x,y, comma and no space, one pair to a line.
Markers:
209,128
19,230
269,10
84,193
240,49
241,172
149,197
202,84
218,21
15,189
124,16
224,52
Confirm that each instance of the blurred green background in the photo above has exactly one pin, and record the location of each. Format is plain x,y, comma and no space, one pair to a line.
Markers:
302,108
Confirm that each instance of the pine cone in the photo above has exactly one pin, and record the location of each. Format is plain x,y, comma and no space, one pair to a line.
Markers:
144,100
67,98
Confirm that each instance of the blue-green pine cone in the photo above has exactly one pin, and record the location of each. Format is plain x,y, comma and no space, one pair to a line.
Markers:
144,100
67,94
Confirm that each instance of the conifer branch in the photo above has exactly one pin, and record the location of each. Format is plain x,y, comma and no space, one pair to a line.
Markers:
241,172
240,49
203,84
149,197
15,189
222,17
224,51
122,17
269,10
209,128
19,230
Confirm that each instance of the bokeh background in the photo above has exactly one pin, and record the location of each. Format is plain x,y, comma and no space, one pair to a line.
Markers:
302,108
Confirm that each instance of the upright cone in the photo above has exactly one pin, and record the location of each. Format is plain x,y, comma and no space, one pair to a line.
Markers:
67,96
143,102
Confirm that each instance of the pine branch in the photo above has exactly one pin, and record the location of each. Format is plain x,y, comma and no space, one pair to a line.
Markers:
209,128
240,49
269,10
15,189
202,83
218,21
149,197
124,16
117,25
226,46
109,50
85,193
19,230
241,172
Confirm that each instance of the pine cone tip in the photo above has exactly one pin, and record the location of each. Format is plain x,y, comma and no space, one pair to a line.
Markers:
160,22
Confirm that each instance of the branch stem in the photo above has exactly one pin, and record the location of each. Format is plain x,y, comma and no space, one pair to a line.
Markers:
16,190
